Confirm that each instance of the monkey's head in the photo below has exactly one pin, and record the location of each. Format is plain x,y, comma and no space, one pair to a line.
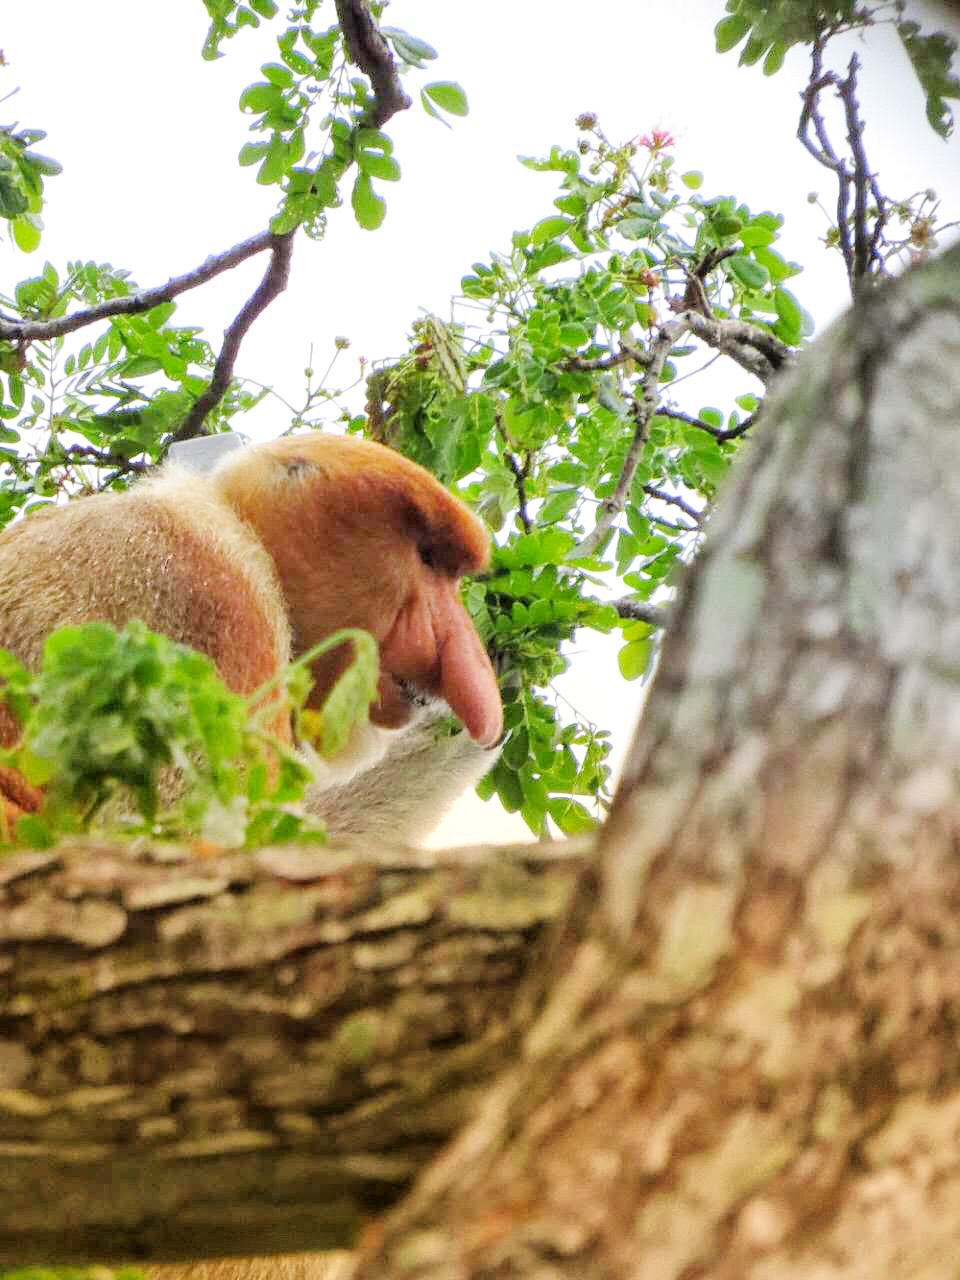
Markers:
362,537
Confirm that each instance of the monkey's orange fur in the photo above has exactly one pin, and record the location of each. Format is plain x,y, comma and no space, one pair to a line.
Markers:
280,546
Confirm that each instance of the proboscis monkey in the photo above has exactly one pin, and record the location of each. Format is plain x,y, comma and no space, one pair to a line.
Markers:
253,564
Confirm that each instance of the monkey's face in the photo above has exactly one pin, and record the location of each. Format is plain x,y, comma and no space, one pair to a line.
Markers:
362,537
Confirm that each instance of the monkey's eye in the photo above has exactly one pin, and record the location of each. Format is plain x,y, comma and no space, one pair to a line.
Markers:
427,557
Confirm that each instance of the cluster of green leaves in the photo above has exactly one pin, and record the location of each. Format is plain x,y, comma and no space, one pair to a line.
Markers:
534,416
22,171
78,414
307,97
133,717
768,29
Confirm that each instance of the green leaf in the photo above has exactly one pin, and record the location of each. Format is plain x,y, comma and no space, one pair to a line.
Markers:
692,179
413,51
932,60
747,271
265,8
43,164
349,701
730,31
570,816
253,152
633,658
788,309
378,166
278,74
369,209
549,229
260,97
774,59
574,335
25,234
448,95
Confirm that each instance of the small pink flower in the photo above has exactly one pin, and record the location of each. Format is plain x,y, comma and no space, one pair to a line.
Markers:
659,139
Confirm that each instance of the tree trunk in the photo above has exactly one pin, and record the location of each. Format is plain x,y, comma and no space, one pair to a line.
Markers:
739,1058
749,1065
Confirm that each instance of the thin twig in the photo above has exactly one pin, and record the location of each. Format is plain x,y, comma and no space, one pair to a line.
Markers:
273,283
644,407
718,433
135,303
674,499
520,474
88,455
865,244
594,364
367,48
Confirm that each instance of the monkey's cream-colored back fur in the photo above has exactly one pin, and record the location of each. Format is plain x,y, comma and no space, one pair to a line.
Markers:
168,552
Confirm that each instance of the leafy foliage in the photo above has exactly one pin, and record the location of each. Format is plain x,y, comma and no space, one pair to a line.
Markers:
112,714
536,416
308,98
22,171
768,29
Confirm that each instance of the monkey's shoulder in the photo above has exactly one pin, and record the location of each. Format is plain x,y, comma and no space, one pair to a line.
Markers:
169,551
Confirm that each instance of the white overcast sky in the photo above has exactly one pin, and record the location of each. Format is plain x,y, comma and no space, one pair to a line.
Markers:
148,135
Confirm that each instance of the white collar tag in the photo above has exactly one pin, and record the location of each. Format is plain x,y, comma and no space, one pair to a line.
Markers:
204,452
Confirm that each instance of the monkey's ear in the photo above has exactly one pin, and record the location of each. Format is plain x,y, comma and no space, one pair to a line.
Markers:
297,468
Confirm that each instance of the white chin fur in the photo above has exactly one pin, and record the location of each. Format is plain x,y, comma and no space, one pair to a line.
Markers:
367,745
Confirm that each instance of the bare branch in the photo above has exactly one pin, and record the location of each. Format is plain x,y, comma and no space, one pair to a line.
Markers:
639,611
88,455
718,433
754,349
594,364
865,244
644,407
674,499
273,283
368,49
520,474
134,304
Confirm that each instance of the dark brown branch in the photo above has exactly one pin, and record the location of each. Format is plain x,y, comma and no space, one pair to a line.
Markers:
520,474
367,48
718,433
866,245
674,499
88,455
142,300
273,283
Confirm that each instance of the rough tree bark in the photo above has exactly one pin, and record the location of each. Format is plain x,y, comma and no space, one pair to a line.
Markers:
176,1036
740,1057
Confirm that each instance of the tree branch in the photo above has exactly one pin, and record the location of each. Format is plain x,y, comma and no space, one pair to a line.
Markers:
643,409
142,300
674,499
176,1034
718,433
368,50
640,611
273,283
754,349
